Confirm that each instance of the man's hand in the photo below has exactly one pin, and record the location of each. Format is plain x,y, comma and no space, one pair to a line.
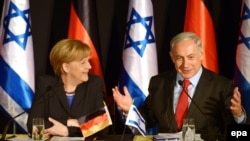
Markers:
236,107
124,101
57,129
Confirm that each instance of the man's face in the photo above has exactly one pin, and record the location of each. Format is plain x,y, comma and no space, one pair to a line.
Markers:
187,58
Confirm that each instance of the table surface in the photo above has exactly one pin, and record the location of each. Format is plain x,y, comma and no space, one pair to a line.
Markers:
160,136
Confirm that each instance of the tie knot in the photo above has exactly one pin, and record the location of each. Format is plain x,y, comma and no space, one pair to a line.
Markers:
186,83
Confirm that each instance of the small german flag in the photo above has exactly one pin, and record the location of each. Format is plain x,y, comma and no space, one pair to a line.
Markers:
95,122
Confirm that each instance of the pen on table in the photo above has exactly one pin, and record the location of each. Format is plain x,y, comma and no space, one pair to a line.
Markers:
167,139
10,137
172,139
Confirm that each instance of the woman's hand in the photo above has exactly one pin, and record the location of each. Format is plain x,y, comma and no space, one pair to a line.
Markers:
73,122
58,129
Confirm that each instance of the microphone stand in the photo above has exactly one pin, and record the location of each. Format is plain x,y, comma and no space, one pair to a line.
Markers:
6,128
212,135
123,133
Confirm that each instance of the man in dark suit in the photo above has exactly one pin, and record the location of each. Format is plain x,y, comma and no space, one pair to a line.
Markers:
212,102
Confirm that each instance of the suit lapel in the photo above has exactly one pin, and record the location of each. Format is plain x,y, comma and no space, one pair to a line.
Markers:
61,95
199,95
169,89
79,96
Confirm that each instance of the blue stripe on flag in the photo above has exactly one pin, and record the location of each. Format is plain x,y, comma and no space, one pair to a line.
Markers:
139,54
17,88
244,88
136,93
241,76
135,119
137,125
139,115
5,113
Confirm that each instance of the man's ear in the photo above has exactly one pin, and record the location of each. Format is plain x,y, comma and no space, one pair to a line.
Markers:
202,54
171,56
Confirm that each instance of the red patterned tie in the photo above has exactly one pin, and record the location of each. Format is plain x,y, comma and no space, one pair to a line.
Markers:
182,106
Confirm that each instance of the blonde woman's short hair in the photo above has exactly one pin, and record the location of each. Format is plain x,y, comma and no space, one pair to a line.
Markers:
65,51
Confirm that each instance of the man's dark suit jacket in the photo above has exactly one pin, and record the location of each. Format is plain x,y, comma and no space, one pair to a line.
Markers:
212,95
51,101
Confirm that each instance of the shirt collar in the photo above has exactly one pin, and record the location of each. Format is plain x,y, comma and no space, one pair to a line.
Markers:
194,80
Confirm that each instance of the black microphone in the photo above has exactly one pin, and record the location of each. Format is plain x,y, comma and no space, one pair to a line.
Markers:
212,136
196,105
6,128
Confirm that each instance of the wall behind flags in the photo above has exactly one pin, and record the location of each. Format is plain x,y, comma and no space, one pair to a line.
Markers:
50,24
49,20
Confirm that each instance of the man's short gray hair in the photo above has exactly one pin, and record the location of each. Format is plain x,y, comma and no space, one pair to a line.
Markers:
186,36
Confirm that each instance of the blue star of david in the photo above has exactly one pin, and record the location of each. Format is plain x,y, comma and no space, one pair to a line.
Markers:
146,22
245,16
9,36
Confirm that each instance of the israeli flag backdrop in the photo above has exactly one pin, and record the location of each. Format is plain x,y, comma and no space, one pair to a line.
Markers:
139,53
16,60
242,73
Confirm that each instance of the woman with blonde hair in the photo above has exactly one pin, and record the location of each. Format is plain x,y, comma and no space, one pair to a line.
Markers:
72,93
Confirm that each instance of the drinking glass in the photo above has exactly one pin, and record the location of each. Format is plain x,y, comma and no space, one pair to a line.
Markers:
38,129
188,130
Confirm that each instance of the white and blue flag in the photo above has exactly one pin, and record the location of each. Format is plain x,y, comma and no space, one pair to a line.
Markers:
242,70
139,53
135,120
16,60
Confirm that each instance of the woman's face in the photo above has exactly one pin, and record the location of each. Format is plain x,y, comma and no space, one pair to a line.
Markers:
78,70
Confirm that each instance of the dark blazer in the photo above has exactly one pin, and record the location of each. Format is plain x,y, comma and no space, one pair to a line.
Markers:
50,101
212,95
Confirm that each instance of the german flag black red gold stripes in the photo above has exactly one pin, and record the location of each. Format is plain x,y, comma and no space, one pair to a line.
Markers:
86,118
95,122
83,26
199,21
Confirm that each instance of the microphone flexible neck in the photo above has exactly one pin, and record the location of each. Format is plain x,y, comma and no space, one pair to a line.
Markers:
6,128
211,135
